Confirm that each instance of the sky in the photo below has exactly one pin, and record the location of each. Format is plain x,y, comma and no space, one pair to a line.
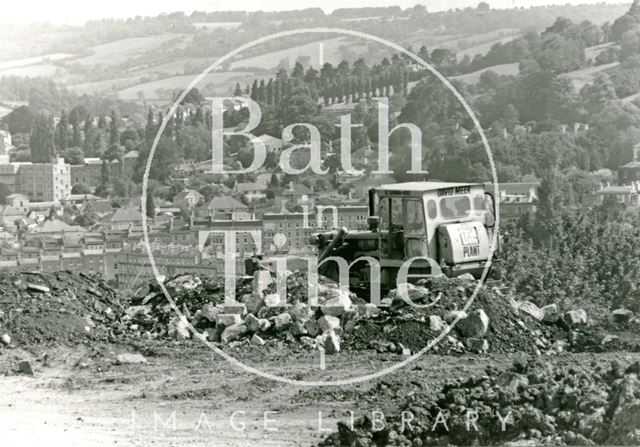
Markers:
77,12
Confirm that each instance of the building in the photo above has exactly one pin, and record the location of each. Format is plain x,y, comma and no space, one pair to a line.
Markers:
629,195
5,142
273,145
631,171
44,182
517,199
129,219
9,215
287,232
351,217
88,173
251,191
225,207
133,267
189,198
297,194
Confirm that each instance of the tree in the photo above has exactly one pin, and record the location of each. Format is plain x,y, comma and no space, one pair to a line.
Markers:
151,206
104,188
73,156
42,139
80,188
20,120
88,217
238,90
62,132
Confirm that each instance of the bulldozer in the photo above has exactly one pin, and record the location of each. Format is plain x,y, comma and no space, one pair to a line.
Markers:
448,227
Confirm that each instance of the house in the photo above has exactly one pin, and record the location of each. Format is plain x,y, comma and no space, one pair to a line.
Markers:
124,219
517,199
251,191
5,142
631,171
8,215
628,196
287,232
102,207
189,198
18,201
298,194
57,227
273,145
226,207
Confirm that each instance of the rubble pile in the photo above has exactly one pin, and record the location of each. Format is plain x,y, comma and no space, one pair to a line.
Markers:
529,404
60,307
258,314
497,321
63,307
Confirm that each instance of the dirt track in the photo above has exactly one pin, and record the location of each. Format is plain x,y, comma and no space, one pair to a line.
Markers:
80,397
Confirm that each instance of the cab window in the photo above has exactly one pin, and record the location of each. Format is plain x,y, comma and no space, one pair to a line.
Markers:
432,209
455,207
415,219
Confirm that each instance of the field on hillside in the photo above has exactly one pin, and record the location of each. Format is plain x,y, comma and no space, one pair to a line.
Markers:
120,51
580,78
474,78
164,88
331,53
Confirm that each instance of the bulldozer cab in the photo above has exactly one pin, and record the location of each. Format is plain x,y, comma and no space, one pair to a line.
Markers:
410,214
419,223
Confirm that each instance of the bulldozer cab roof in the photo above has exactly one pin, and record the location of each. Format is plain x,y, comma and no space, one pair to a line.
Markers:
419,188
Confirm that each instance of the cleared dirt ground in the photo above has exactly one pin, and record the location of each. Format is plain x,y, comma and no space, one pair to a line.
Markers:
187,395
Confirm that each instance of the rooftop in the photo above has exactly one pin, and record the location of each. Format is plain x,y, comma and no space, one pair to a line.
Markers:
422,186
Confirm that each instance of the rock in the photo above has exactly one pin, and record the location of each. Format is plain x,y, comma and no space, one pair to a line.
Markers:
252,322
417,294
272,300
178,328
621,316
282,321
209,312
575,317
38,288
301,312
6,339
237,308
328,322
477,344
331,343
252,301
298,328
369,310
227,320
130,359
261,281
24,366
529,308
257,340
183,283
234,332
551,314
452,315
335,307
475,325
309,342
264,324
313,328
466,277
436,323
137,311
403,350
